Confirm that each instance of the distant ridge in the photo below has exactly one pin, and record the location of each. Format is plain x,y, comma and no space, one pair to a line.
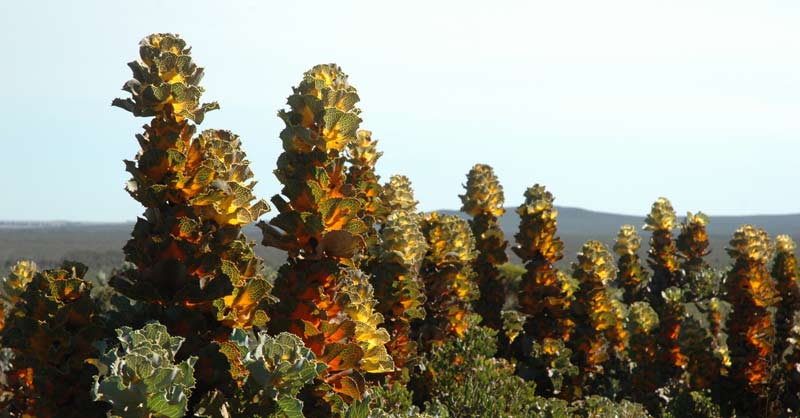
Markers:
577,221
99,244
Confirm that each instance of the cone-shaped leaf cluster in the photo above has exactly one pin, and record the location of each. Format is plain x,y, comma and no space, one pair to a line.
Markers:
395,269
785,272
597,311
541,296
324,222
50,334
448,276
191,257
483,201
662,256
631,276
751,327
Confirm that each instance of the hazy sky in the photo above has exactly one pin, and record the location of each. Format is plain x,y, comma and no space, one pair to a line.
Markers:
609,103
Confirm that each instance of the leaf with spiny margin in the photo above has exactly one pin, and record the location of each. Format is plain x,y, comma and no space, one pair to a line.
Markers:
340,356
140,376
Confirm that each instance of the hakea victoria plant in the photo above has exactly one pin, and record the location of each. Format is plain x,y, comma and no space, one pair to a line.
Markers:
483,201
631,275
321,225
12,286
50,335
362,154
751,326
543,295
643,325
662,255
693,245
786,275
599,337
448,277
395,273
194,265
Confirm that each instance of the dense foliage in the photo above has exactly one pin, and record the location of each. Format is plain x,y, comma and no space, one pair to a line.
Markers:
380,310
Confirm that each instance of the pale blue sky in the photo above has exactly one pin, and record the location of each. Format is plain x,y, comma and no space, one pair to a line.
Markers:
609,103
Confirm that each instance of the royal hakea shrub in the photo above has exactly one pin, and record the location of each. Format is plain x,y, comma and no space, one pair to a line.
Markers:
643,326
140,377
671,315
50,333
786,275
751,326
631,275
483,201
693,245
321,225
12,286
368,278
790,369
399,289
449,280
662,255
542,296
599,335
194,266
362,154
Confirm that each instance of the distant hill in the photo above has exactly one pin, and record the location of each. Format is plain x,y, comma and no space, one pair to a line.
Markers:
100,244
576,226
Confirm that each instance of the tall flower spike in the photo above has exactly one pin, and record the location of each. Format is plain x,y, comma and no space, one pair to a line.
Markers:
324,225
12,286
483,201
398,287
165,81
693,245
321,213
598,332
362,155
662,256
194,267
631,275
449,280
541,295
398,195
51,335
643,351
785,273
751,326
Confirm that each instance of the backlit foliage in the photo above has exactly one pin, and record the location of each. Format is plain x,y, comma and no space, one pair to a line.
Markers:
662,256
631,275
449,280
784,270
268,373
50,333
395,269
643,325
598,314
141,377
12,286
542,295
751,326
483,201
323,224
693,245
363,155
192,260
376,315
